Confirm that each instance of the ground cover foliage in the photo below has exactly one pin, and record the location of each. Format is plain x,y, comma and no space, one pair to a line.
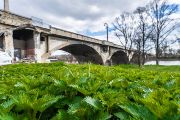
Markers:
89,92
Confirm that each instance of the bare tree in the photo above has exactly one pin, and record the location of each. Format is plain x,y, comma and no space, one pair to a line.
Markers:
163,22
125,30
154,23
164,49
144,32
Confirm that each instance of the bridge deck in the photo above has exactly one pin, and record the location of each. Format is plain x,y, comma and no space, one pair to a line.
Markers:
72,35
12,19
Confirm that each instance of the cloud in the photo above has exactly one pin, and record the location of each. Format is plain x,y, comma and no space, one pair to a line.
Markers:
82,16
76,15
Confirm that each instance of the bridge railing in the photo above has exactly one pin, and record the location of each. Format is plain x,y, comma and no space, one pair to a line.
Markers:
61,32
57,31
39,22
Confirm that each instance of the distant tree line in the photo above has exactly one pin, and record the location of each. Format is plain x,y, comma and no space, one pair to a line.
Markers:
149,28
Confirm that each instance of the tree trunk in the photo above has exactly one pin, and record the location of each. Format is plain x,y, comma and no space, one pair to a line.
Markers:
157,35
143,40
139,54
157,52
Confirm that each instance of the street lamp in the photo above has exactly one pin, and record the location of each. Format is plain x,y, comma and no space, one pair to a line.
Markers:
107,29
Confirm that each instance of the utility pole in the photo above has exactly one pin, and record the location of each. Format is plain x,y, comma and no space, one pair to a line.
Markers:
107,30
6,5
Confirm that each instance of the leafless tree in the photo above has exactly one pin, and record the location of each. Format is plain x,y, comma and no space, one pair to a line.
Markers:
144,31
125,30
163,22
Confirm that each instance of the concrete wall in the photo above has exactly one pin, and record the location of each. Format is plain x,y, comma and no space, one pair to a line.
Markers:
3,27
44,45
13,19
55,42
30,43
20,44
8,42
26,47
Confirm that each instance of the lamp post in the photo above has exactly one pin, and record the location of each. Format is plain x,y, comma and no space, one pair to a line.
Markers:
107,30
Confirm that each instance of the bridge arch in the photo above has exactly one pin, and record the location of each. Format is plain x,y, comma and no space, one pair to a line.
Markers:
82,52
119,57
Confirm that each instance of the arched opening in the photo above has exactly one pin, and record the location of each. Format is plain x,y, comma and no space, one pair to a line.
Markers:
63,56
119,57
83,53
134,59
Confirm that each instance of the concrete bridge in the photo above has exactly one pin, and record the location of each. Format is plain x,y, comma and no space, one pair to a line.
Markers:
24,37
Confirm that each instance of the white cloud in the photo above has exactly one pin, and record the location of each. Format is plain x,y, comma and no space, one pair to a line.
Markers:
175,1
94,9
73,15
77,15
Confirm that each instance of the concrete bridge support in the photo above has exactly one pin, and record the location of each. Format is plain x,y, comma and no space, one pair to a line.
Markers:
8,42
83,52
87,52
37,48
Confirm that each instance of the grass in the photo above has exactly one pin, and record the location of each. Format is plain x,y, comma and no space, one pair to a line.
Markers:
163,68
59,91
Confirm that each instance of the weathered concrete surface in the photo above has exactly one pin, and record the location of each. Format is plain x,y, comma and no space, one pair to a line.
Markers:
47,40
11,19
8,42
59,32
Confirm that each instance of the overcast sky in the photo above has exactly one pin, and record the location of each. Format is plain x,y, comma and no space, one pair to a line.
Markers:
82,16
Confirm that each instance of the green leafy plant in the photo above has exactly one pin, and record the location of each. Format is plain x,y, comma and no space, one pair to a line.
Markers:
59,91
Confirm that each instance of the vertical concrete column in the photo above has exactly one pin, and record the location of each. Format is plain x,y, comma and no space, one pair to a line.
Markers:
47,44
8,43
6,5
37,45
130,56
105,57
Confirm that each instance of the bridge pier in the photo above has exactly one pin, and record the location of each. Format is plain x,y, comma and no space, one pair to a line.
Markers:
105,58
37,48
8,42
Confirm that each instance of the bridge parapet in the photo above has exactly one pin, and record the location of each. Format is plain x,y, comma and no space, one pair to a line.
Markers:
72,35
12,19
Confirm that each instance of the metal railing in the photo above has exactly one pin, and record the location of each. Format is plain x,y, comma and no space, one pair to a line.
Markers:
39,22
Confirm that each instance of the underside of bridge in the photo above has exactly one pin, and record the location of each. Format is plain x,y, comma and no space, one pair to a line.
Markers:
23,44
83,53
119,57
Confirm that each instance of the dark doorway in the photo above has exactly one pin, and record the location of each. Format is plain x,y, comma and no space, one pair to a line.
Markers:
24,44
1,41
